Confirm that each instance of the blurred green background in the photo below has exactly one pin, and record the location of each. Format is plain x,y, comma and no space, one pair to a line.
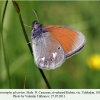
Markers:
79,71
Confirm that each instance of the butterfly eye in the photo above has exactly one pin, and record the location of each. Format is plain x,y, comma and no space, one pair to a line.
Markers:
35,22
36,25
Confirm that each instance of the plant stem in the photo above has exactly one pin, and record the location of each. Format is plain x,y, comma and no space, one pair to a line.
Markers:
27,40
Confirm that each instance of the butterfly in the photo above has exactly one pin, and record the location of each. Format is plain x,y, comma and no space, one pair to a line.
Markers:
53,44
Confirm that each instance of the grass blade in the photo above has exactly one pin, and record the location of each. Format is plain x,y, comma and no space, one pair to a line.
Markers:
3,45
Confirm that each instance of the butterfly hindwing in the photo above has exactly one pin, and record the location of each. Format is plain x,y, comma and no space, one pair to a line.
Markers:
48,53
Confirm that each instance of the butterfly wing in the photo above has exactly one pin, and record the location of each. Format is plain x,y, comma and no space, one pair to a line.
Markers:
71,40
48,52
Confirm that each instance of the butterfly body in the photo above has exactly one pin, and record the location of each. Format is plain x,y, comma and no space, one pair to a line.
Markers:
53,44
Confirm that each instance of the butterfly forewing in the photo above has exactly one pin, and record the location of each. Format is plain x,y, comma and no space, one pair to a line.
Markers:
71,40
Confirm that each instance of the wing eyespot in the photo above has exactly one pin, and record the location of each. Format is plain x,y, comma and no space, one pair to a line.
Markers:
45,61
51,59
58,48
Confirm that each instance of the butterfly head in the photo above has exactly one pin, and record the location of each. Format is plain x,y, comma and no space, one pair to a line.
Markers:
37,29
36,25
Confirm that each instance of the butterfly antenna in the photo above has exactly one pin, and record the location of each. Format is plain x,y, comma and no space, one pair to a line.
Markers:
35,14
